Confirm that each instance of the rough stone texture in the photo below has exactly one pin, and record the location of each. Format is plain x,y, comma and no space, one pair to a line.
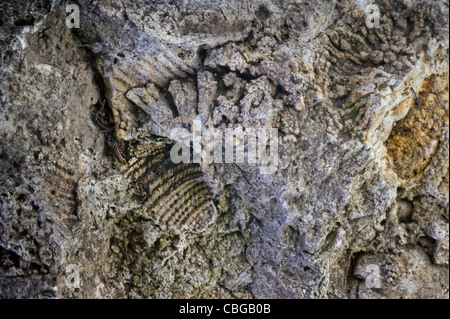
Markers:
363,127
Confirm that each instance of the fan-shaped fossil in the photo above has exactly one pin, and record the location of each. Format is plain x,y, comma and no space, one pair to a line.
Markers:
173,195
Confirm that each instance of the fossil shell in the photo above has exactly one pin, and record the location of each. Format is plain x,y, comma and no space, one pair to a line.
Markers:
173,195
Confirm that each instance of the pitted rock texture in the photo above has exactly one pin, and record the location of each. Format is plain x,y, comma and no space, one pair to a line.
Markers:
362,181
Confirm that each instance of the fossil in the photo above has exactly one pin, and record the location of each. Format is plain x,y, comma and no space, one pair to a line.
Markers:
173,195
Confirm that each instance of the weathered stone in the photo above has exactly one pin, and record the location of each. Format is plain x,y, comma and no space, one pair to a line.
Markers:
362,184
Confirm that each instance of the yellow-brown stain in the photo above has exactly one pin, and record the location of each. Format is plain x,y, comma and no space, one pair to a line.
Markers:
415,138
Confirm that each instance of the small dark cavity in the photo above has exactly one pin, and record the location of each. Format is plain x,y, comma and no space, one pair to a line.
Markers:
35,206
225,120
280,91
203,52
410,26
24,22
262,13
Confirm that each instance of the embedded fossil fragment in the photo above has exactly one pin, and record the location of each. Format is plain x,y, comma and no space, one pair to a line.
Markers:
174,195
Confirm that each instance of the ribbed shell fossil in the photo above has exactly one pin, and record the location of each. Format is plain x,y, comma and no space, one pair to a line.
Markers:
173,195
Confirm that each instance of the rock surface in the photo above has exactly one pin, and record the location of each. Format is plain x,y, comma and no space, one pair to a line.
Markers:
91,205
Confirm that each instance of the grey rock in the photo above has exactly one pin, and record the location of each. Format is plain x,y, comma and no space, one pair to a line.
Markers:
91,205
